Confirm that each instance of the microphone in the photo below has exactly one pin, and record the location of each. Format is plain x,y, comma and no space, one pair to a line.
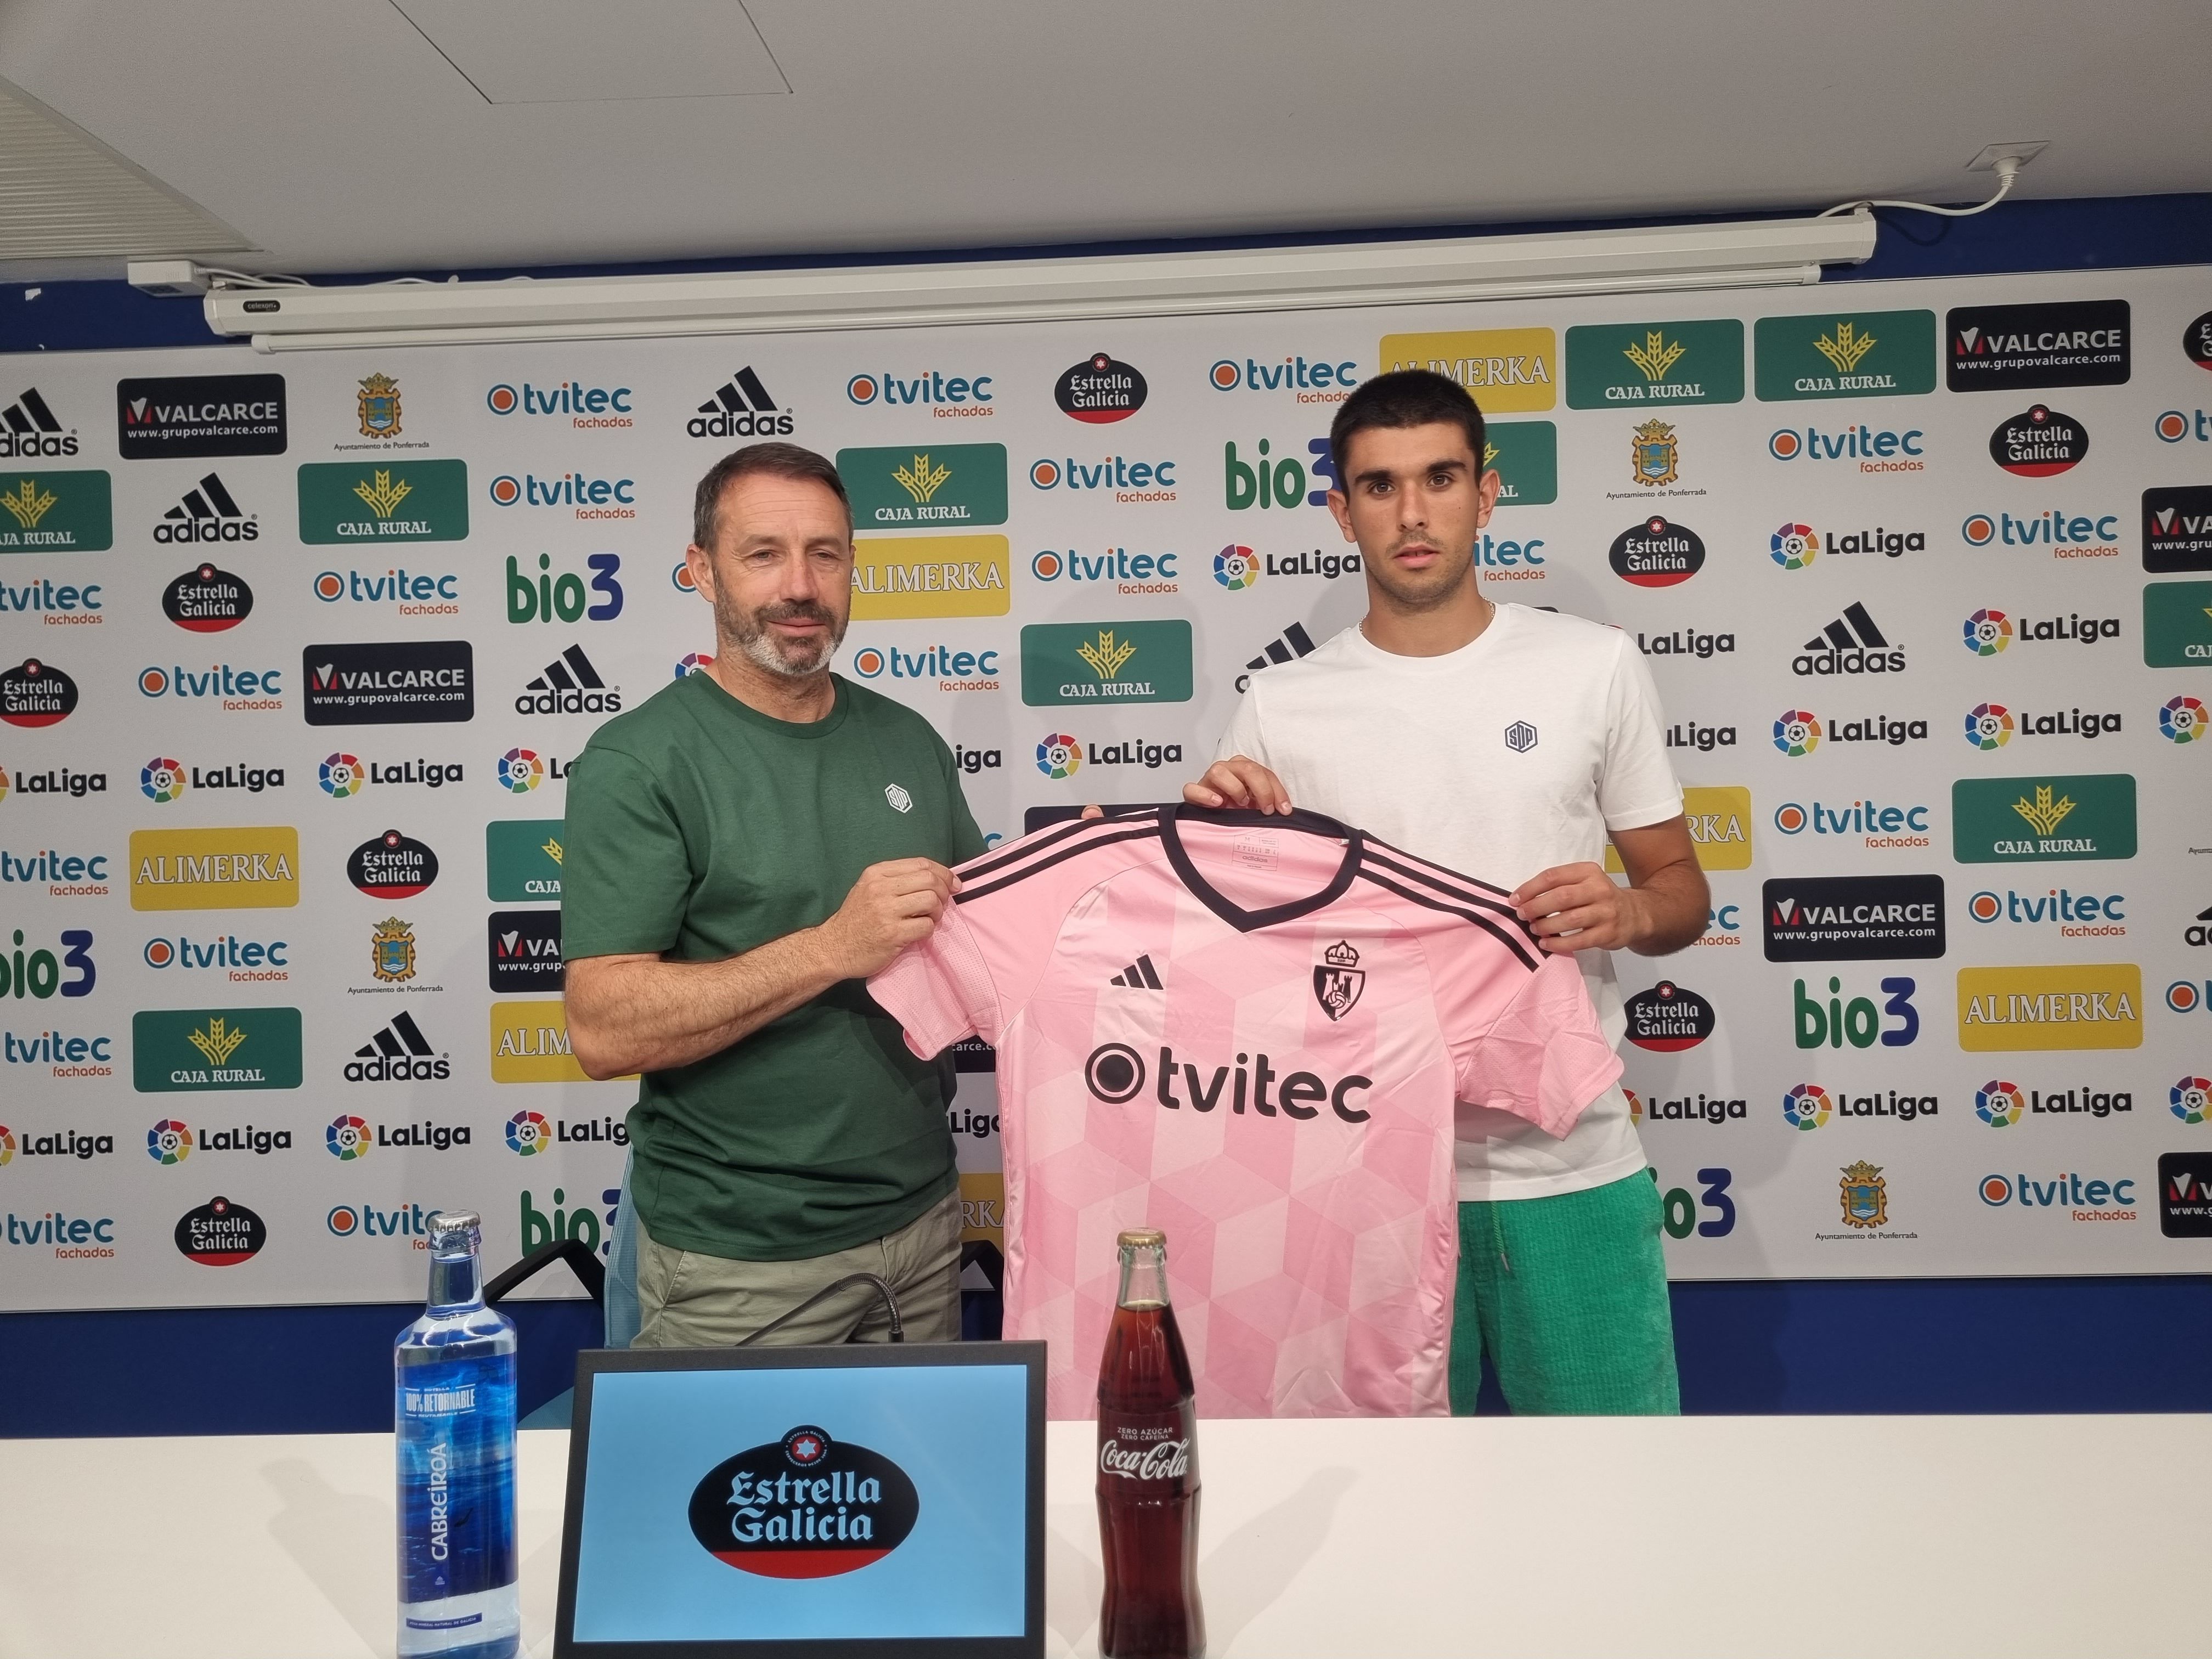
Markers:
883,1294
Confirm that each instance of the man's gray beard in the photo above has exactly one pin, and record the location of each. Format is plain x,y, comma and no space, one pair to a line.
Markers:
761,649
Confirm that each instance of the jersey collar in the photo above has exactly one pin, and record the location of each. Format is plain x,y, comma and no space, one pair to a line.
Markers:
1235,914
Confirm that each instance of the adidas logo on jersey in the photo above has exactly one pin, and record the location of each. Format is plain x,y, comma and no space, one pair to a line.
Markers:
1851,644
1291,644
570,685
208,514
1139,975
398,1053
740,409
31,429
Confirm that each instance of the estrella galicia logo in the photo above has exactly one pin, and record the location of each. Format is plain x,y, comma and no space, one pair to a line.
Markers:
35,693
2038,443
1100,389
169,415
400,682
1669,1017
804,1506
1656,554
392,866
221,1233
207,600
2074,343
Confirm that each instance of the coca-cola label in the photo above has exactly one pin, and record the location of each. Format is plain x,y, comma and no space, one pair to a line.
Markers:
804,1506
1161,1459
1148,1448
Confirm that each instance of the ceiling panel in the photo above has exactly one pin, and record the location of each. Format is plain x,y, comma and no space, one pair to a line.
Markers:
334,136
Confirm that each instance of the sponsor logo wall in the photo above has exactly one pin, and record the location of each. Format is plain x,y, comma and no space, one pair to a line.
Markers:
296,666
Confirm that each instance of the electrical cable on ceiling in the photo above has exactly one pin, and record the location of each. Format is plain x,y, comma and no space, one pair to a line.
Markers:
2007,168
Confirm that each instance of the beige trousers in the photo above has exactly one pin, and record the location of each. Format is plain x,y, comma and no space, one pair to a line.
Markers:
687,1299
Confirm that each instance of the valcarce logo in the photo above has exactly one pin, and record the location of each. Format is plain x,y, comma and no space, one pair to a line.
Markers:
803,1507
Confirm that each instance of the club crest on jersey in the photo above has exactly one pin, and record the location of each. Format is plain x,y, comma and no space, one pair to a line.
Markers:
1339,982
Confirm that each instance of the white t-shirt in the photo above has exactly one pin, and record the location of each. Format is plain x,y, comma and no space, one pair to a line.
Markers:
1508,755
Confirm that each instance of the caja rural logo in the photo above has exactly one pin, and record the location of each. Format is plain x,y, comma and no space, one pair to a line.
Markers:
804,1506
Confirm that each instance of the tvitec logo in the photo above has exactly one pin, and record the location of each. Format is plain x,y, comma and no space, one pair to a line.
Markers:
587,407
947,397
586,496
237,691
1875,451
415,594
1133,483
1319,381
2079,915
2068,535
951,670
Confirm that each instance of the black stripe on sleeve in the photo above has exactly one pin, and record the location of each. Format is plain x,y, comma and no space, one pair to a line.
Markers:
1031,846
1519,943
1485,898
1439,875
968,891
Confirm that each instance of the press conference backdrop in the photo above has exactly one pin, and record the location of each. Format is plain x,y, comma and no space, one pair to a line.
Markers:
300,654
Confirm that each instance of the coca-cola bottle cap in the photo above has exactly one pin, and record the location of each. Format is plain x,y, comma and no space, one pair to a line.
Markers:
1143,1237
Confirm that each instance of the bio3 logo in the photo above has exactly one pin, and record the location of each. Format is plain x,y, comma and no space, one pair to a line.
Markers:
1856,1020
37,973
563,596
1679,1210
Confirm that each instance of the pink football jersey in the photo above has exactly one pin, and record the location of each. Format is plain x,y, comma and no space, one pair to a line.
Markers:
1250,1031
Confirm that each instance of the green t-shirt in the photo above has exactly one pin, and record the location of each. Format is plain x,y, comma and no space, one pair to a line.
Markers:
700,828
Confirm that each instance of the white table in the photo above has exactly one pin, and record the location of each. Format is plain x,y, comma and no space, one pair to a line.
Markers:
1764,1537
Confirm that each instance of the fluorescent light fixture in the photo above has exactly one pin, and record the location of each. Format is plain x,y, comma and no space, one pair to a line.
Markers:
1660,259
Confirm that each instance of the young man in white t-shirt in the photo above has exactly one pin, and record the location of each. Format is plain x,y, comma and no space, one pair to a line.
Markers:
1509,743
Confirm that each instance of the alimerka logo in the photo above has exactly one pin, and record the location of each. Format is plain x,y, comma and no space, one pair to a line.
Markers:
804,1507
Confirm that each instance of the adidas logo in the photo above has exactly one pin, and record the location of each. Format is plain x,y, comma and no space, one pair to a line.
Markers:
1139,975
398,1053
31,429
570,685
1852,644
2200,934
742,409
1291,644
207,514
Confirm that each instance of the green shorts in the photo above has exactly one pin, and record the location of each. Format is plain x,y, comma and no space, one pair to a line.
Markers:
1568,1296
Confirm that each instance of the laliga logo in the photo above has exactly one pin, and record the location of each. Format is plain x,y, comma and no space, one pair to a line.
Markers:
527,1133
1989,725
520,771
805,1506
347,1138
163,779
1060,755
2183,720
341,776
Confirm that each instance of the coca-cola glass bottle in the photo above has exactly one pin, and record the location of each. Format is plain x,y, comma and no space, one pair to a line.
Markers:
1147,1469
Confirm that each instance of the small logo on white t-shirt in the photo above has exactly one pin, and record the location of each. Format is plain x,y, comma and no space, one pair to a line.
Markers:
1519,736
899,800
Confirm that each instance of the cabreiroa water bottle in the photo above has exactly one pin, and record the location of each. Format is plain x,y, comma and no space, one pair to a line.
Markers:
1147,1469
453,1418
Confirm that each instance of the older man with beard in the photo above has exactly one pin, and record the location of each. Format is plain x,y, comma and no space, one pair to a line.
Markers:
742,851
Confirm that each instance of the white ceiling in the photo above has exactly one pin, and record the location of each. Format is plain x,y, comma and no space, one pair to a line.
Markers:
338,134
